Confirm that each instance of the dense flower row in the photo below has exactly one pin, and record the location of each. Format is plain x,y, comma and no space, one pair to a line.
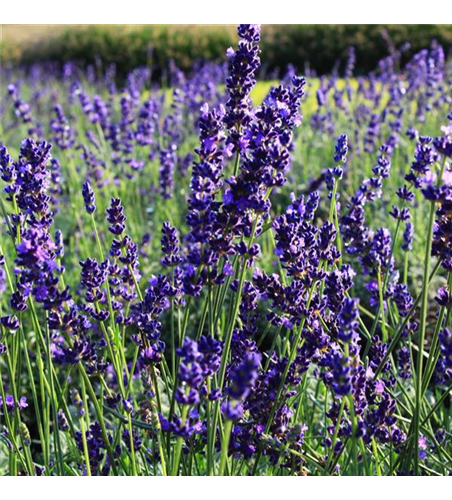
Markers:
271,334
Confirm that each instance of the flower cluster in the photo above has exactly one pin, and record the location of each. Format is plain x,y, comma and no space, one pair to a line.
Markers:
199,360
189,283
242,379
244,62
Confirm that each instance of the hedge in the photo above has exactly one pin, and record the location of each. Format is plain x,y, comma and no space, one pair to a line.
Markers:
321,46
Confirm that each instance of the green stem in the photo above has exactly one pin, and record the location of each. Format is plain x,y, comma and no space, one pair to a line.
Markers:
292,356
179,442
336,432
423,324
382,307
398,334
225,446
85,445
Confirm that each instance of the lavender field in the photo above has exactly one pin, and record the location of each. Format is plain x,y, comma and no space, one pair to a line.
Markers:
227,271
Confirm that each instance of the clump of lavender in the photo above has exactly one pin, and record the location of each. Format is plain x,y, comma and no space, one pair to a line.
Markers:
274,316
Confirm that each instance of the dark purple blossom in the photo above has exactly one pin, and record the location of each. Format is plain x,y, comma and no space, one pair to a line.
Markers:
63,134
170,246
404,362
340,155
10,322
89,198
243,63
348,320
116,217
445,340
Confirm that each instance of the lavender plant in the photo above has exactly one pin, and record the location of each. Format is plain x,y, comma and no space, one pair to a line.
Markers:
203,282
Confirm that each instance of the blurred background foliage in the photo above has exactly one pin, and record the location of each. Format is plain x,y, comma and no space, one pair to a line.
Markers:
318,47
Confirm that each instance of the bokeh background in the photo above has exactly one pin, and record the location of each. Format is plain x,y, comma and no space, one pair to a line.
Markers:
318,48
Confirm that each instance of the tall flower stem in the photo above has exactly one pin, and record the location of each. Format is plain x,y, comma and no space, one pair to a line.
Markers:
154,380
23,343
382,287
56,432
225,446
399,332
435,350
132,447
179,442
85,445
99,414
209,470
157,423
335,435
16,451
183,332
114,327
229,332
291,359
382,306
423,324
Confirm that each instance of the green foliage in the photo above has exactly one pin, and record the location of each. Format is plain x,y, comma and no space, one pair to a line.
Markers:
319,45
322,45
